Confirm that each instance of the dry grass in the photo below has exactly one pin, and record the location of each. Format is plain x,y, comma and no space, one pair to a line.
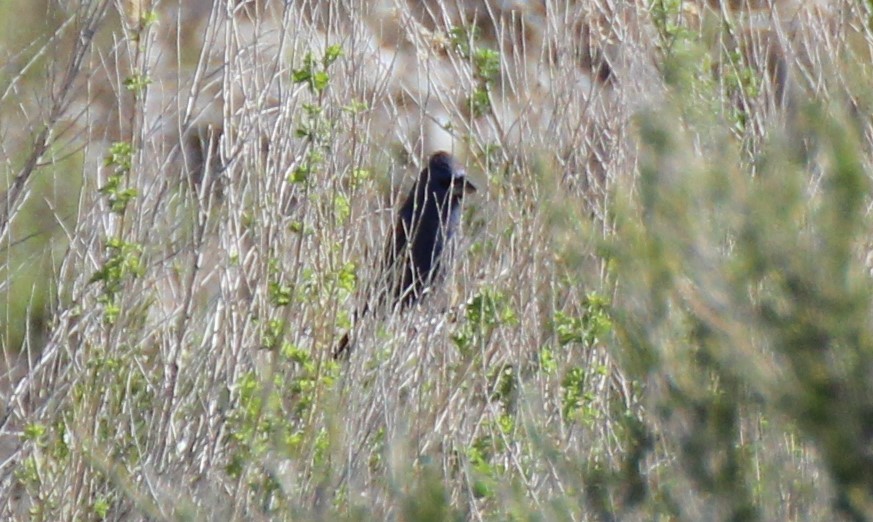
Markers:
658,309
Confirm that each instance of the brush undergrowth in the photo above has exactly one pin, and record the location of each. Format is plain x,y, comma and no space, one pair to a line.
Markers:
660,308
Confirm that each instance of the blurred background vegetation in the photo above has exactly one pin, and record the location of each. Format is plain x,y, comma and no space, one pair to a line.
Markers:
661,307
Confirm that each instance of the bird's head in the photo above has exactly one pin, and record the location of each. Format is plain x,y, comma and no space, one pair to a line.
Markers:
446,179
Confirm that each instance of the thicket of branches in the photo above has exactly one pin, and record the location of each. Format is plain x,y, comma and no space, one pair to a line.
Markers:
661,306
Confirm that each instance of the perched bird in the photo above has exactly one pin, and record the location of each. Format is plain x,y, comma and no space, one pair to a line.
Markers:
426,222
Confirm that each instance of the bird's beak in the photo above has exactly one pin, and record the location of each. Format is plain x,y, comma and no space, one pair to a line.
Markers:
463,186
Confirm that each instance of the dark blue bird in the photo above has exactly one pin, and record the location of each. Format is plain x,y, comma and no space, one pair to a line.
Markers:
426,222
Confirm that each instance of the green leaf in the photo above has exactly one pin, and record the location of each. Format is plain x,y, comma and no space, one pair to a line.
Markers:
320,81
341,207
331,54
301,75
487,63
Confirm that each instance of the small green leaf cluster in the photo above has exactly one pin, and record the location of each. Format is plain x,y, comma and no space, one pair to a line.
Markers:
486,474
123,259
119,160
137,82
488,470
314,72
123,262
314,127
273,422
301,174
667,17
594,324
484,312
578,400
485,64
279,292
